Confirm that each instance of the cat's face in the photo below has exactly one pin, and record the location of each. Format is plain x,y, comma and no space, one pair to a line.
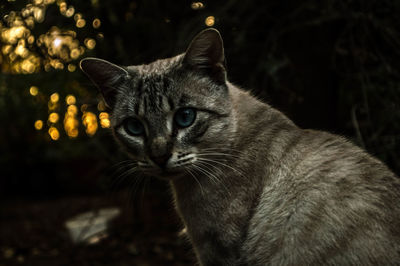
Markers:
174,115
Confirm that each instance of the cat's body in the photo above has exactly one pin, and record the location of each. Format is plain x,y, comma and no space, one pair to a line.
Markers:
250,186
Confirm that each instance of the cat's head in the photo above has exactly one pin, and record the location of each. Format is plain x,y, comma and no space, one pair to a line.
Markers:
172,115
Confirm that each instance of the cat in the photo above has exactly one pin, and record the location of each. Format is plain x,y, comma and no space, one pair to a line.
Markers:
250,186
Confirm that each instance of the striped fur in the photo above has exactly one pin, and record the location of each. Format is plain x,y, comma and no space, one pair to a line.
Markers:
250,186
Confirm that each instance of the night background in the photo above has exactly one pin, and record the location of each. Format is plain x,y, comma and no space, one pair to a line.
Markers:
332,65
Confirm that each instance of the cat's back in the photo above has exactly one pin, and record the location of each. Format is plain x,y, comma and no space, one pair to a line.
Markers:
324,201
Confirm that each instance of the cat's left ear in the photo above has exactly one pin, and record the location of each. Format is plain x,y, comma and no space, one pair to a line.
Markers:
206,54
106,76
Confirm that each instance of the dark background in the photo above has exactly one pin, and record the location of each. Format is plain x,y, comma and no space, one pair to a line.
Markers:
330,65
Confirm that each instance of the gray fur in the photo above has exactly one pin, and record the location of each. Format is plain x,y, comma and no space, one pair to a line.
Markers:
252,188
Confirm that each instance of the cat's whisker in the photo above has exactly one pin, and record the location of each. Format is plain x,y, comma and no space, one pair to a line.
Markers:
116,182
211,165
121,166
133,187
212,177
132,168
222,156
223,164
210,152
214,168
123,178
223,148
195,178
122,163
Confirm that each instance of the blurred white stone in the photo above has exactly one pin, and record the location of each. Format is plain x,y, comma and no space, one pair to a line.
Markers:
85,226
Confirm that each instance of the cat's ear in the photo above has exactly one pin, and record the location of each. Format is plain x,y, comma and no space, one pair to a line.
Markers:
105,75
206,53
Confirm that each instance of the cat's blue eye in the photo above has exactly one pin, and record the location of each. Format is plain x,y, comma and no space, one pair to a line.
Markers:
133,127
185,117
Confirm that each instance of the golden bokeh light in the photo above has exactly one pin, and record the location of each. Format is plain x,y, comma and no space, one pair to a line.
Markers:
63,8
75,53
26,50
84,107
80,23
71,67
60,46
73,133
31,39
54,97
105,123
104,120
71,123
101,106
53,118
33,90
72,110
52,106
57,64
210,21
197,5
70,12
13,34
96,23
18,42
70,99
90,43
24,53
38,124
104,115
28,65
21,50
57,42
6,49
47,67
39,14
54,134
89,120
13,56
77,16
30,22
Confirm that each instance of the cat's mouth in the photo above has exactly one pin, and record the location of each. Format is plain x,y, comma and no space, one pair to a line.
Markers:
177,166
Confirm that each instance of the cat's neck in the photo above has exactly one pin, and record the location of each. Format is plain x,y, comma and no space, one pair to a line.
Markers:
253,118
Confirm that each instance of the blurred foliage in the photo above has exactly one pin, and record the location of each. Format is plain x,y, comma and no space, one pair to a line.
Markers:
330,64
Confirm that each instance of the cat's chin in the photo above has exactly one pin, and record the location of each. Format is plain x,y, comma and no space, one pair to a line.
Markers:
168,174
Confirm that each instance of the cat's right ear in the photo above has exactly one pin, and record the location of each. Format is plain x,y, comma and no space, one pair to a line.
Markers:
106,76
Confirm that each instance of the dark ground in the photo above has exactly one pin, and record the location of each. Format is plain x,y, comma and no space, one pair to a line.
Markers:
145,233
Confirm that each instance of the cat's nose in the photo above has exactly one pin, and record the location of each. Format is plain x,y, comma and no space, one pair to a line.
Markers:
161,161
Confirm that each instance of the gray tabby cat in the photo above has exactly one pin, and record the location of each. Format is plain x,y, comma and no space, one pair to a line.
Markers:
249,185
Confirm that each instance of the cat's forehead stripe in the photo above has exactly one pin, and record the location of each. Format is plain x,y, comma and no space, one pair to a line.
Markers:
184,100
139,88
151,94
171,104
